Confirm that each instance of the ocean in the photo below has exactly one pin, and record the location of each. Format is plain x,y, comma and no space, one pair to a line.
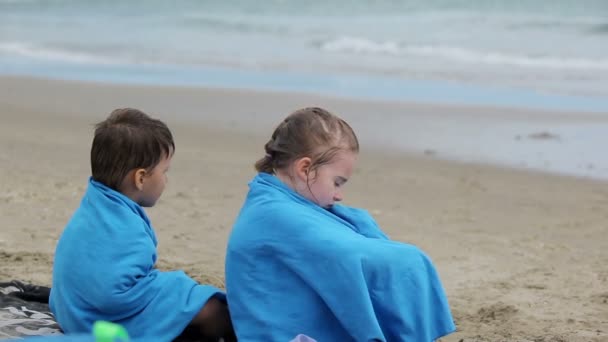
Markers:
535,54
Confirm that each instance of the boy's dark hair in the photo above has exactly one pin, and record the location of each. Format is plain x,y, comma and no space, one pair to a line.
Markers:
128,139
309,132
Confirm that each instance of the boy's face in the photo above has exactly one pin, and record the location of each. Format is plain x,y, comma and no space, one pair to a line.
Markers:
154,183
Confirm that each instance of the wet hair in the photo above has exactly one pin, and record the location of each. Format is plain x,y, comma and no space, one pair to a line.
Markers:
128,139
309,132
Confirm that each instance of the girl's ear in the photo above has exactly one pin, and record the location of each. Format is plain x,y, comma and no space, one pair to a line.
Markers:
139,177
302,168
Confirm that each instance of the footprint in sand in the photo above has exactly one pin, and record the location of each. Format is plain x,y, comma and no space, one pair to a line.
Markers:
497,311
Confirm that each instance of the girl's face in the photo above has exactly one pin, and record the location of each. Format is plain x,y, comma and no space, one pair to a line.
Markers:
325,184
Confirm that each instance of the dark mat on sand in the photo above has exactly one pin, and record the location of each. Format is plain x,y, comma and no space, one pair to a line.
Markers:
24,311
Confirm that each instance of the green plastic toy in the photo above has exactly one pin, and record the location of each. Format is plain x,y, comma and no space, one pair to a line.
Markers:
109,332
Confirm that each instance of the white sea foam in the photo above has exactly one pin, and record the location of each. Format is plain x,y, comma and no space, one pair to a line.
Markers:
54,54
357,45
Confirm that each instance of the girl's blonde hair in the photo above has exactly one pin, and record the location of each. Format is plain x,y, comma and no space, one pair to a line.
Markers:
309,132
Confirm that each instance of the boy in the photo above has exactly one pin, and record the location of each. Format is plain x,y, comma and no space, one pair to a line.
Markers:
104,261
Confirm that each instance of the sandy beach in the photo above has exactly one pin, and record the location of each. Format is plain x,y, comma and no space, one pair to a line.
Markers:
522,255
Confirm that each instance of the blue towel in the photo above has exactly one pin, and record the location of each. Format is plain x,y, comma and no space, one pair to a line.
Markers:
293,268
104,270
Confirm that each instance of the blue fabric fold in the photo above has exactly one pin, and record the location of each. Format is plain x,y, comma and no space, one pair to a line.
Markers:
104,270
293,267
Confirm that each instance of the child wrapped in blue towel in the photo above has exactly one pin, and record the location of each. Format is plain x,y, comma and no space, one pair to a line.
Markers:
300,264
104,267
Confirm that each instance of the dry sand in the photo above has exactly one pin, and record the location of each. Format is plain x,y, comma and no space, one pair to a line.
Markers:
523,256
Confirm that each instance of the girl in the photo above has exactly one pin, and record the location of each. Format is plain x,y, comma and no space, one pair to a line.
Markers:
299,263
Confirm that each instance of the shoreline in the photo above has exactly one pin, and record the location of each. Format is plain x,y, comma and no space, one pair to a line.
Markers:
347,86
562,143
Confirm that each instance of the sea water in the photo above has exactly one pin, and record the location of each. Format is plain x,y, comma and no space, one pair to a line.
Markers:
535,54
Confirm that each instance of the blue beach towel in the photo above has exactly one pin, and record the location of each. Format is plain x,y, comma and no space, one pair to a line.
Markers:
294,268
104,270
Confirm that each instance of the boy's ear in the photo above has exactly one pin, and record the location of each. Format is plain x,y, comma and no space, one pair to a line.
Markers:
302,168
138,178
